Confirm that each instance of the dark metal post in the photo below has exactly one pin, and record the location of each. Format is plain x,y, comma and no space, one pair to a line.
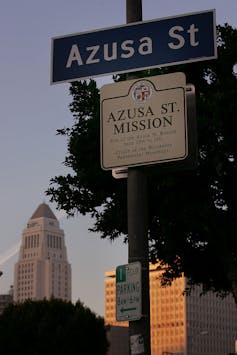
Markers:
134,10
137,223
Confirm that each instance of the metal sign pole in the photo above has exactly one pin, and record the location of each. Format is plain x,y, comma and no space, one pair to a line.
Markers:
139,330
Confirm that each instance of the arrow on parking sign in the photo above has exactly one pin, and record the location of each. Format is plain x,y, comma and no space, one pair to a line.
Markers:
127,309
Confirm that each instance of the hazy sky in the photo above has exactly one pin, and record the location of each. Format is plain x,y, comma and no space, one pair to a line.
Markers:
31,111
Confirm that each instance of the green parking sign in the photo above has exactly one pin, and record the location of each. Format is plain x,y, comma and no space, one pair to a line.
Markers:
128,292
121,273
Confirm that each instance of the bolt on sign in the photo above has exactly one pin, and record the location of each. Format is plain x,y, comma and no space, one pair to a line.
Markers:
128,292
144,121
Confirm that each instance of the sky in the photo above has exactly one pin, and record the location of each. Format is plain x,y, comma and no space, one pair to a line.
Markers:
31,110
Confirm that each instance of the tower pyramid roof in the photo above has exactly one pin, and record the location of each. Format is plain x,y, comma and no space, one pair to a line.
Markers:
43,210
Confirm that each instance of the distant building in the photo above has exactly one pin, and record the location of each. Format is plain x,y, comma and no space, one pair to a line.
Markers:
42,270
181,324
5,300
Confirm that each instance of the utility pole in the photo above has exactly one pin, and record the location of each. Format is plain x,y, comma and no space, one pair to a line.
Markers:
138,226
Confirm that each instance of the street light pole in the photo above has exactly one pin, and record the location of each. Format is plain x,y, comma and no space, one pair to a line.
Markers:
138,227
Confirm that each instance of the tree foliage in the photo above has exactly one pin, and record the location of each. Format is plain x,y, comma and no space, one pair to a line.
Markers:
192,213
51,327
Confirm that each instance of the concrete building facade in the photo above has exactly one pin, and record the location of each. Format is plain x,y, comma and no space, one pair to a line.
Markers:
181,324
42,270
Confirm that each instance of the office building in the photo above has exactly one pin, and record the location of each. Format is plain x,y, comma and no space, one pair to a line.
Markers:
181,324
6,299
42,270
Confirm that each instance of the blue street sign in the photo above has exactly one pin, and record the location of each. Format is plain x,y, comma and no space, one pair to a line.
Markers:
136,46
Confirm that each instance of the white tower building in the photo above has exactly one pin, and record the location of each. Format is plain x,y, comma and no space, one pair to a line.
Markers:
42,270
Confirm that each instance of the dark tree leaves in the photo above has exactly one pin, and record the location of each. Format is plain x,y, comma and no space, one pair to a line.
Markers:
51,327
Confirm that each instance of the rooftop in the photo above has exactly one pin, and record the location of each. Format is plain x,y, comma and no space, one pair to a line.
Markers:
43,210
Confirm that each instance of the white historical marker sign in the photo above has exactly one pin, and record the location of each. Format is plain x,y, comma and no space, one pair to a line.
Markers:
128,292
144,121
